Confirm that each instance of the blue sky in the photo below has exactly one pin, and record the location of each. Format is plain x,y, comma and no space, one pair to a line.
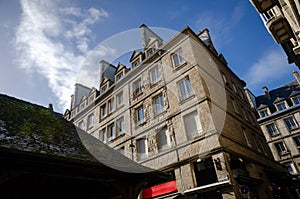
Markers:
45,43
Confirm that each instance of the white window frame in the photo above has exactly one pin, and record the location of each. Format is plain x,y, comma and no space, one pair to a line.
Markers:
264,112
103,110
296,100
154,75
90,120
137,86
111,132
198,131
272,129
120,126
281,106
165,133
185,88
102,135
144,153
290,120
281,149
120,99
178,57
111,105
159,104
140,116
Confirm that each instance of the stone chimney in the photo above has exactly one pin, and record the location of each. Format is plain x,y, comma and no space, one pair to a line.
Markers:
296,75
266,90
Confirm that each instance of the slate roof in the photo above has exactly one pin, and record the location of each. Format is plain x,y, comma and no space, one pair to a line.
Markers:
279,94
37,130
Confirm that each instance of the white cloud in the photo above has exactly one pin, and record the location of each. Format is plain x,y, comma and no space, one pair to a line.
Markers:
270,67
221,25
53,41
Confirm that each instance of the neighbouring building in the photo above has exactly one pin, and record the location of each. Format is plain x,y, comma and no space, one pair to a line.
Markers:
278,114
43,155
180,109
282,20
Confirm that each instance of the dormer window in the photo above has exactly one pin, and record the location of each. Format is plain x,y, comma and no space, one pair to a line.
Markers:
296,100
151,51
104,88
280,106
264,113
135,64
119,76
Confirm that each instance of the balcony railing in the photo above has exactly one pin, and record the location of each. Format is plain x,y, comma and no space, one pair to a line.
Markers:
277,25
264,5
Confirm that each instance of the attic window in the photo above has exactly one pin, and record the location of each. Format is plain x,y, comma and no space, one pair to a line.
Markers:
296,100
119,76
104,88
136,64
150,51
264,113
280,106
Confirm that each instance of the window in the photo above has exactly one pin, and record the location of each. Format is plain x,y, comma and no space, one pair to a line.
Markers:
185,89
154,75
104,88
119,76
224,78
297,141
272,130
141,148
111,105
102,135
177,58
91,99
291,167
81,125
296,100
280,106
122,150
120,126
263,113
151,51
103,110
137,87
120,99
163,139
290,123
159,104
234,87
247,137
82,106
111,132
192,125
281,148
140,116
235,106
135,64
90,121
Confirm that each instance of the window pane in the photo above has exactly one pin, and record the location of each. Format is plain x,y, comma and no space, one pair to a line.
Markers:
185,88
120,126
140,115
90,120
281,106
290,123
192,125
178,58
296,100
272,129
159,104
141,148
163,138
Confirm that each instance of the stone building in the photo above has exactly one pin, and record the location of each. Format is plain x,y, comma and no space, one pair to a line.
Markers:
179,108
278,114
282,20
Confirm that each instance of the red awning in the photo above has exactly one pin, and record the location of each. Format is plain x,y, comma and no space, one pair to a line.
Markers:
160,189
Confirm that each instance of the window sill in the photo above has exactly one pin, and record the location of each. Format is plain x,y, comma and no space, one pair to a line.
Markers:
141,123
183,100
293,129
161,113
180,66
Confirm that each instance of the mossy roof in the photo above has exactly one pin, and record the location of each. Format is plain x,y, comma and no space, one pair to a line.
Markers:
29,127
